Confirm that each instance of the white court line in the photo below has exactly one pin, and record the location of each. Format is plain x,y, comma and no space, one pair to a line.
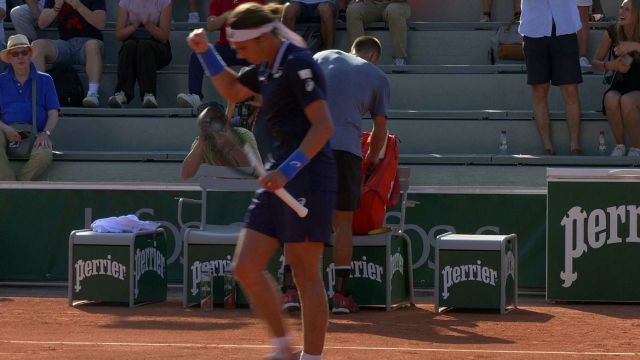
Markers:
247,346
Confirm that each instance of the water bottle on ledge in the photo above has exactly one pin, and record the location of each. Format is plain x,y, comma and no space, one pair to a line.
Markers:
602,145
502,145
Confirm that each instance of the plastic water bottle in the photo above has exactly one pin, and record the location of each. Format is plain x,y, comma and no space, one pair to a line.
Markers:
602,145
502,145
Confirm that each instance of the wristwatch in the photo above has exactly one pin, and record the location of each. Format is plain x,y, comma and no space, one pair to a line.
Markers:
48,132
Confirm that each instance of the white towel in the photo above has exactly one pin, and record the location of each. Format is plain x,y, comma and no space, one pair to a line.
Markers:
122,224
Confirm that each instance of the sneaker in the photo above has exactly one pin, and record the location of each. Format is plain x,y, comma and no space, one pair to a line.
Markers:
342,17
194,17
584,62
619,150
149,101
290,300
91,101
343,304
117,100
399,62
485,18
189,100
633,152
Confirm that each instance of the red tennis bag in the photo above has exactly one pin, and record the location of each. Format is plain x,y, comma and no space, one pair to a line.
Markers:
380,186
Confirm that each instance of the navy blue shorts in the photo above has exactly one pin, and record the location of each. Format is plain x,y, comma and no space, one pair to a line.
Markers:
309,13
270,216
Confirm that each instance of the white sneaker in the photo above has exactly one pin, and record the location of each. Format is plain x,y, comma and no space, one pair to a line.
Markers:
584,62
91,100
633,152
194,17
117,100
399,62
188,100
485,18
619,150
149,101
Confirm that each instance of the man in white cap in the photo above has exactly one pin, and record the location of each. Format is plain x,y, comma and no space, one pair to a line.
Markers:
16,120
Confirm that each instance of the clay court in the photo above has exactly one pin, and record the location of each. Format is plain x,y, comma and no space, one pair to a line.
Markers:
38,323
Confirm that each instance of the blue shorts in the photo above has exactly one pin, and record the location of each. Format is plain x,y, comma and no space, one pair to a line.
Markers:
270,216
309,12
71,52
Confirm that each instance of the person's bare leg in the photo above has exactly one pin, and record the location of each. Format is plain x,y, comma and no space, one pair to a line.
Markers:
327,24
252,255
290,14
540,94
572,110
305,259
47,53
614,115
630,104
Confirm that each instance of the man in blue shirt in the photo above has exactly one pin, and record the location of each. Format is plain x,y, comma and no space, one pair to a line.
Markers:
16,104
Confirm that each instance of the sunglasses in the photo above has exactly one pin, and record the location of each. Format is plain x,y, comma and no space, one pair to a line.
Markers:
15,54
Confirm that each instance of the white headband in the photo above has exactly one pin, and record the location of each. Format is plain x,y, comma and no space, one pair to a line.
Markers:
248,34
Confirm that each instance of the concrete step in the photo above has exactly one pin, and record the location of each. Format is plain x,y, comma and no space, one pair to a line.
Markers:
421,132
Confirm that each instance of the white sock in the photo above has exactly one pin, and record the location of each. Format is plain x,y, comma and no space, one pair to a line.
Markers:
93,87
280,343
305,356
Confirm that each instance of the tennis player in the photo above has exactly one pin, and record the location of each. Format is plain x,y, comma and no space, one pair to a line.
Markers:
299,126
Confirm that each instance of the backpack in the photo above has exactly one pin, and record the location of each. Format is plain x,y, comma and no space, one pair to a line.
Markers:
312,37
507,45
68,85
380,188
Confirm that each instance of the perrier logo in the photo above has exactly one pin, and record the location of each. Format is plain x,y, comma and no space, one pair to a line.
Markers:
472,272
89,268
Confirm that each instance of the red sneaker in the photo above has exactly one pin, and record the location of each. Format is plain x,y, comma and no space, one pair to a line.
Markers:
344,304
290,300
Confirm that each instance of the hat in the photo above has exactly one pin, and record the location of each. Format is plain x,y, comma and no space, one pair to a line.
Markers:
16,41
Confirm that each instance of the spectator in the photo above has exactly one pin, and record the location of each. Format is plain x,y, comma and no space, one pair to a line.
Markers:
194,15
25,18
551,55
16,108
144,28
486,10
622,99
219,10
80,24
205,150
394,12
584,6
313,11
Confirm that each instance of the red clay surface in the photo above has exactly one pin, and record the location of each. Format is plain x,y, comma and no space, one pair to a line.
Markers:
36,326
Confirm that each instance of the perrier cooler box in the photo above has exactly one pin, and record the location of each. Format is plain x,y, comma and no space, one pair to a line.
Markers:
117,267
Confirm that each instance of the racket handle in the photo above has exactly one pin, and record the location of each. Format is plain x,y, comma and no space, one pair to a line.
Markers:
293,203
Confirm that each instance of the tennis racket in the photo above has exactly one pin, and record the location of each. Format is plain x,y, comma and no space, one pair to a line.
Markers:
231,148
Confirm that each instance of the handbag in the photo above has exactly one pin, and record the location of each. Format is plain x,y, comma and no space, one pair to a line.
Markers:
23,147
508,43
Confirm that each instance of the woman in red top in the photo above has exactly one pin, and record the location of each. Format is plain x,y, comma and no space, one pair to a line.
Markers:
219,10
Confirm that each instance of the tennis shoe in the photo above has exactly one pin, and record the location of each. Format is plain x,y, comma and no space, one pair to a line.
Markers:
91,100
633,152
291,300
149,101
117,100
188,100
619,150
344,304
194,17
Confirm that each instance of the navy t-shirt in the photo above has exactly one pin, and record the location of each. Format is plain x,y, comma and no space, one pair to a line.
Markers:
71,24
294,82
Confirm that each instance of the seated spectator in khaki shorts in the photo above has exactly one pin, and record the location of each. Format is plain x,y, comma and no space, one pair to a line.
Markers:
80,24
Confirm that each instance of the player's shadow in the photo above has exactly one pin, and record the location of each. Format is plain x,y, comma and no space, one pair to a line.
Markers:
155,315
415,323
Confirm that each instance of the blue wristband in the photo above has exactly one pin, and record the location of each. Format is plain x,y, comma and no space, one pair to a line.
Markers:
211,61
296,161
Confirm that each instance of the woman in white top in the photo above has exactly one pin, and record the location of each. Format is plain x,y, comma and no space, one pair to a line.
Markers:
144,27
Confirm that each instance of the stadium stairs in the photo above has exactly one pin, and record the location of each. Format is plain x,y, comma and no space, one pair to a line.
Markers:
448,106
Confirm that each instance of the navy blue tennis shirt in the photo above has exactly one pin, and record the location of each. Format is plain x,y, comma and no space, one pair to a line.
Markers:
294,81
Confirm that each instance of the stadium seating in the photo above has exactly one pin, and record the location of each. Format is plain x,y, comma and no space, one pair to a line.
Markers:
449,105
